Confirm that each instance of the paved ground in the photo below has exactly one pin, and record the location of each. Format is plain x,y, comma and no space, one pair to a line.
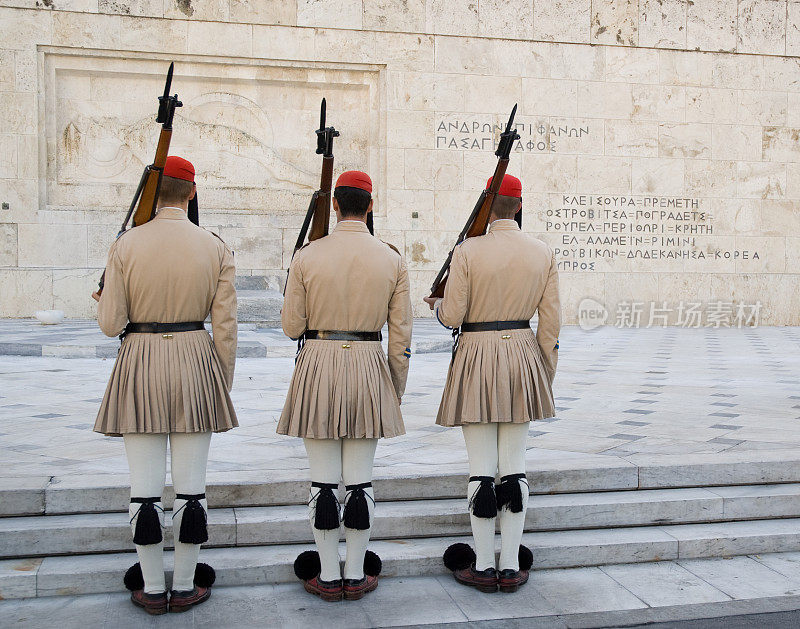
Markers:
599,597
619,393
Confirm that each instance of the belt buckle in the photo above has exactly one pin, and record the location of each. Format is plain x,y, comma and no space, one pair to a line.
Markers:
506,336
345,346
166,336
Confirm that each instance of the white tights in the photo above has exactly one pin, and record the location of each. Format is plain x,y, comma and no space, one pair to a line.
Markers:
147,460
350,460
493,448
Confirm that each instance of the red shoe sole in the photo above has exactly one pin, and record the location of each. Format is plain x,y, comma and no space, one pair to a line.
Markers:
354,596
488,589
178,609
153,611
330,598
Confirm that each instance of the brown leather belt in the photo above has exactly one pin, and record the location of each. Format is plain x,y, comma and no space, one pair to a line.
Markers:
492,326
340,335
161,328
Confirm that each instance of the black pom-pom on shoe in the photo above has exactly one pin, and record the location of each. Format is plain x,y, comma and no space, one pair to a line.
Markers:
134,579
307,565
458,556
525,558
372,564
204,575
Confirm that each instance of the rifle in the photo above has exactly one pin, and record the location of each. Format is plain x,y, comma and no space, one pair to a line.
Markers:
143,206
479,218
319,209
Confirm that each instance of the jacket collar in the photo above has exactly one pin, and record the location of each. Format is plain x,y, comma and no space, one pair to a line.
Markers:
171,213
351,226
504,224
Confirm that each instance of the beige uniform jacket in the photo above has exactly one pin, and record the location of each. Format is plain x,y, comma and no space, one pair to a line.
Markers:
347,281
166,271
505,275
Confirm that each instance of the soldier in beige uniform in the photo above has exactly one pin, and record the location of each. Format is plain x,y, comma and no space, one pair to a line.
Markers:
501,375
171,381
344,394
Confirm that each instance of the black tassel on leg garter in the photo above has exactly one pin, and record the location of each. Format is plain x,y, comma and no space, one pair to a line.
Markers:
356,508
509,492
483,502
326,507
148,525
194,524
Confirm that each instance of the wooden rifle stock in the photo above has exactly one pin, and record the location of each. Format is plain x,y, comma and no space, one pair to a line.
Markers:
322,206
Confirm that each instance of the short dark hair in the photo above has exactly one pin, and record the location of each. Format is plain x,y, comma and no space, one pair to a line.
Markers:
505,207
174,190
352,201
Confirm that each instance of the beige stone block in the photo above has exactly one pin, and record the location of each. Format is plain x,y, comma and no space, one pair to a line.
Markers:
485,94
657,176
433,170
780,144
793,109
395,168
22,196
675,288
778,218
711,178
792,255
24,291
52,245
738,142
72,292
778,294
208,10
761,27
634,288
426,90
402,205
760,107
402,51
149,8
582,63
162,35
280,42
18,112
605,100
97,31
732,216
394,15
711,25
23,30
549,173
25,71
427,250
684,68
410,129
8,244
761,180
781,74
7,76
662,23
684,140
451,18
478,167
562,20
718,255
453,207
574,288
604,175
507,19
793,181
742,72
255,247
615,22
263,11
793,29
213,38
548,97
760,254
100,239
420,287
631,138
631,65
711,105
658,102
327,13
8,156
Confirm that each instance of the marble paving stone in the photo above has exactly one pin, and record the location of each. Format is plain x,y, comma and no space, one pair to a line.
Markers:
787,564
735,538
742,577
583,590
18,578
22,496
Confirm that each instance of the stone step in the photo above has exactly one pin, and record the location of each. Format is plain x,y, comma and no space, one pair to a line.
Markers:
84,574
559,474
256,526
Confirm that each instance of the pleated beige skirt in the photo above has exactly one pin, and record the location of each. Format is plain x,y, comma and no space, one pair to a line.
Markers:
162,385
492,379
339,392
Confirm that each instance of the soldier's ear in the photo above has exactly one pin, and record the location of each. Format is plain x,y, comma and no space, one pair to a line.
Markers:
369,207
194,192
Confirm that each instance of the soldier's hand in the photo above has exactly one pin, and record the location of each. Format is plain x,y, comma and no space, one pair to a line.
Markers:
430,301
96,296
399,401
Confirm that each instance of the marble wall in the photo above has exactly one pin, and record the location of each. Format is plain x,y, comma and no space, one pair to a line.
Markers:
660,149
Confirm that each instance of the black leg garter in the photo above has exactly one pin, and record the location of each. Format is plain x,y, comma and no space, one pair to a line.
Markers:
194,525
483,502
356,508
509,492
326,506
148,524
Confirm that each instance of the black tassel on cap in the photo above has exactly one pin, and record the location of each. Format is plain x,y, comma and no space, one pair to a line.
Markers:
194,524
509,492
326,507
148,525
356,507
483,502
